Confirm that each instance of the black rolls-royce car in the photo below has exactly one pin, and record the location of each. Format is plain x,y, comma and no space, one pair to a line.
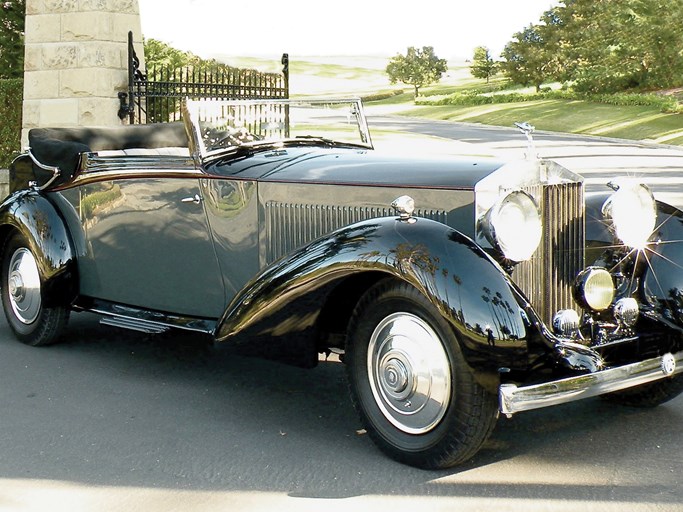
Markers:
454,289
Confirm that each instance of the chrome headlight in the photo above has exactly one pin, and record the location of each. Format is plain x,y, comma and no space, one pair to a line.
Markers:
513,226
633,213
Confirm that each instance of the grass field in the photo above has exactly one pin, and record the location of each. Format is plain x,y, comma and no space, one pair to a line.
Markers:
363,76
631,122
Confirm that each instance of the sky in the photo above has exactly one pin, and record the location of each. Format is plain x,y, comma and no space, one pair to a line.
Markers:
347,27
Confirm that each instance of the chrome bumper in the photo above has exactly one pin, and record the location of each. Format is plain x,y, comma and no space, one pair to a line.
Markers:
517,399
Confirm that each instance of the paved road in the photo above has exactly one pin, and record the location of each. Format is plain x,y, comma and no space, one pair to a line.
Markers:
113,420
119,421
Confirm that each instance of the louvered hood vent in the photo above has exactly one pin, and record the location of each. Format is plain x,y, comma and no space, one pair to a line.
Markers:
292,225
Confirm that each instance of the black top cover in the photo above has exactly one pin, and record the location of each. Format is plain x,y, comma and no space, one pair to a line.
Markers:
62,147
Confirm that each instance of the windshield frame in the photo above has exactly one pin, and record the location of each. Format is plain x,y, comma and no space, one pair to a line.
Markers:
191,117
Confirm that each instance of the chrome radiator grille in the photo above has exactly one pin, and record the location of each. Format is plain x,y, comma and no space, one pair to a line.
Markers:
292,225
547,278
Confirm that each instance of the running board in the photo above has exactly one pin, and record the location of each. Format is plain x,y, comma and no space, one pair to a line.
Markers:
134,324
143,320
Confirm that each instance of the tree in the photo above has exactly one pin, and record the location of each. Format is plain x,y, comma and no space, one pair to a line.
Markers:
527,60
661,43
161,55
12,14
552,29
483,65
418,67
601,46
631,44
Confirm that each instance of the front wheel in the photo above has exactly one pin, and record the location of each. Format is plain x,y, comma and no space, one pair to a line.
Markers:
31,322
416,396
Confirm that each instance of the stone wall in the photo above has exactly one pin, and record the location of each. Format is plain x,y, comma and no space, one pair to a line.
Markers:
76,61
4,183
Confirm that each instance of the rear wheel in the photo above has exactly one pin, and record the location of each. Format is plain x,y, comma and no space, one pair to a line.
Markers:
31,322
416,396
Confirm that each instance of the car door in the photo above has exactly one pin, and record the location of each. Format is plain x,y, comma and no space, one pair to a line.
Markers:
148,245
232,209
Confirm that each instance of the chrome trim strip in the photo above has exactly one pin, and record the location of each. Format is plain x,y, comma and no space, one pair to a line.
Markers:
513,399
146,163
89,178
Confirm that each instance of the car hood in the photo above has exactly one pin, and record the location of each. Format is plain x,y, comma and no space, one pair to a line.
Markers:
356,167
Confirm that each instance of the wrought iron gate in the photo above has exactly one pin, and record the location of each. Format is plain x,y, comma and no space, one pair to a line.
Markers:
156,96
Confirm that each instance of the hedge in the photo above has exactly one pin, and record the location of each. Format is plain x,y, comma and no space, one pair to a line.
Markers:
666,104
11,98
381,95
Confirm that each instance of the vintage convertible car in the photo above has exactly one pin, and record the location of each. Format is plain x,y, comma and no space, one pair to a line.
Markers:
454,289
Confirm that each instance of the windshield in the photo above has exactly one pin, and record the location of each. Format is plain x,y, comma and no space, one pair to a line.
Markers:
218,126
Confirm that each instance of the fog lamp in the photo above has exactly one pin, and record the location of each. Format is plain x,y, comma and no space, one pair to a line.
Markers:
626,311
594,288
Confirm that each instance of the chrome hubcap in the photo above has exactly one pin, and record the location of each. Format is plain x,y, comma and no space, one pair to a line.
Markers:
409,373
23,285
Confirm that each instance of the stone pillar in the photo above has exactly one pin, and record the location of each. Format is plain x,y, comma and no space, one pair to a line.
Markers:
76,61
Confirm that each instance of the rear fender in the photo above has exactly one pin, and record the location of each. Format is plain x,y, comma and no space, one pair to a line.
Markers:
467,287
34,216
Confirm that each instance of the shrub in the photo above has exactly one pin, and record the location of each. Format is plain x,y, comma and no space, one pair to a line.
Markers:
382,95
666,104
11,97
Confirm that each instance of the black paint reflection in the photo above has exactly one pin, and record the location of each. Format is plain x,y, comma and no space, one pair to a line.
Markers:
457,277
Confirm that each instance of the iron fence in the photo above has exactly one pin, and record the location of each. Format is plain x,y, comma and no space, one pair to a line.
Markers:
156,96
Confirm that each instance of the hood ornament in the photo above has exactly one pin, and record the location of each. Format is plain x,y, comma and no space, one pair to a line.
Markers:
404,207
527,129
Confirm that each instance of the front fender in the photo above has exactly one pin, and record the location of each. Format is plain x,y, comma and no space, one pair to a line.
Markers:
663,280
469,289
34,216
661,261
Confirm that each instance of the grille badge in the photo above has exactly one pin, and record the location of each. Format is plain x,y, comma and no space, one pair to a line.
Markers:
668,364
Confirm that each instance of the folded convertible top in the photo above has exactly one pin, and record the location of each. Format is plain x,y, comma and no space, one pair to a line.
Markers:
62,147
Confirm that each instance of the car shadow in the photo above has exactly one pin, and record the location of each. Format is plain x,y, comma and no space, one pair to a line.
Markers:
108,407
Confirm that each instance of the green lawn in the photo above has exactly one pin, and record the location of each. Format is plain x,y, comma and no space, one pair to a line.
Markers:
632,122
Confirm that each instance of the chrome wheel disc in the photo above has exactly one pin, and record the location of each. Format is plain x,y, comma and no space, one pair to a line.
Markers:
23,286
409,373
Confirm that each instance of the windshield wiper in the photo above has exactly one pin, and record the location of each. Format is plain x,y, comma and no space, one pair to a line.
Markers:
317,138
324,140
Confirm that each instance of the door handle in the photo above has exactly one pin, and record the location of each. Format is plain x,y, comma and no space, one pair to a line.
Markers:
196,199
